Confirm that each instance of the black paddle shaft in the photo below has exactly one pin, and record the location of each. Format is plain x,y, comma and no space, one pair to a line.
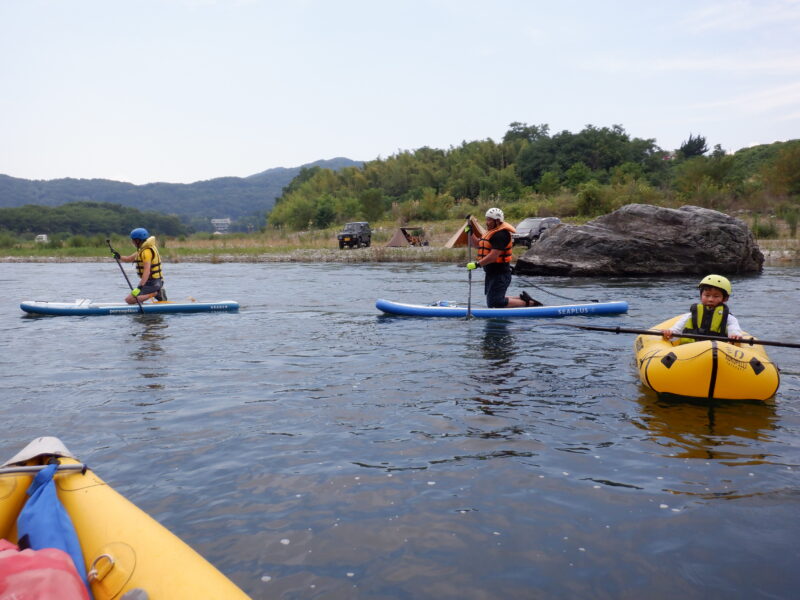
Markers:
125,275
695,336
469,271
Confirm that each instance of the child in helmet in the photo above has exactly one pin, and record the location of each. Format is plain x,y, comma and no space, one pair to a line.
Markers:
711,316
148,267
494,255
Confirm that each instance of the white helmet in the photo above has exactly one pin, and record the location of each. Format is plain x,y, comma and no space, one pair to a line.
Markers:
495,213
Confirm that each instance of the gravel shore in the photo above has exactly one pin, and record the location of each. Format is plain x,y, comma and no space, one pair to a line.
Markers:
361,255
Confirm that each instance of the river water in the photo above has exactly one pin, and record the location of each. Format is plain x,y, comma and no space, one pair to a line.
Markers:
310,447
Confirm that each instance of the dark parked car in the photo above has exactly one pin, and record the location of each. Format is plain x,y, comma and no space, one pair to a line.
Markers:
530,229
355,235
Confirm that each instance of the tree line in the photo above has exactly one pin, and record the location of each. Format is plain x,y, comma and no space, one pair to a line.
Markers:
86,219
532,172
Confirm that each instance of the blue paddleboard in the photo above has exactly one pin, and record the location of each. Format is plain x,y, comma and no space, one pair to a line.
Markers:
449,309
87,307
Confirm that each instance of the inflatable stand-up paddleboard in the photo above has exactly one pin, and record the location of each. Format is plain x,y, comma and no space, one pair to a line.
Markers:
87,307
452,309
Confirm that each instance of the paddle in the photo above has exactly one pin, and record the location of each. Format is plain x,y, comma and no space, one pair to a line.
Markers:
527,282
124,274
468,229
695,336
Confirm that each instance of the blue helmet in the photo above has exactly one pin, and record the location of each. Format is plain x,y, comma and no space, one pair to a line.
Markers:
140,233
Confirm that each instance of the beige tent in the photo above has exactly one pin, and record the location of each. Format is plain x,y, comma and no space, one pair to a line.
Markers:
459,239
407,236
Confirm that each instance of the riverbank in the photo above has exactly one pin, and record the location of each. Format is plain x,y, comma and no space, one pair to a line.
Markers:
776,253
300,255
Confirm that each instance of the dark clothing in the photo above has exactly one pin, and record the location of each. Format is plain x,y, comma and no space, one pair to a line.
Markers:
495,286
152,285
498,275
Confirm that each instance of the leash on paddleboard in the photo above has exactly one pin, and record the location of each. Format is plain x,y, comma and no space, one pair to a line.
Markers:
695,336
529,283
124,274
468,229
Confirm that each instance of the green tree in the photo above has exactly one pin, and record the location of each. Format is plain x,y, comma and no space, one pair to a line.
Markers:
549,184
577,174
694,146
522,131
783,175
373,204
325,213
592,199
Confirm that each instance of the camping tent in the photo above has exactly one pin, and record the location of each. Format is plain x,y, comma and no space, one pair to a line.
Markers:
407,236
459,238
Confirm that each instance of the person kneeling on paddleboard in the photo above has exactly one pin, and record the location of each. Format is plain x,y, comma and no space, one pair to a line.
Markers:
148,267
710,316
494,255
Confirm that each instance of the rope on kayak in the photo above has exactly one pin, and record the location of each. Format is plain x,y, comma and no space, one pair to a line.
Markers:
528,282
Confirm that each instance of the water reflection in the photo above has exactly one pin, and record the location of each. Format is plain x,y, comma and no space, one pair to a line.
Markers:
149,332
727,431
499,380
499,345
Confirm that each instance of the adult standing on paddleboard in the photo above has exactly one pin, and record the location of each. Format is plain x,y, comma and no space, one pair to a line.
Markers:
494,255
148,267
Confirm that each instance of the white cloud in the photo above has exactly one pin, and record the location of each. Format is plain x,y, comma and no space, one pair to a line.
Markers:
744,15
785,65
762,101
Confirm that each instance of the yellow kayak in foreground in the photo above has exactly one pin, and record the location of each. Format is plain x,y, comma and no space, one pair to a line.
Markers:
705,369
126,548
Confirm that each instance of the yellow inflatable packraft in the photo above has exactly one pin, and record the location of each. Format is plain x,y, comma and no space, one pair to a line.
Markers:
705,369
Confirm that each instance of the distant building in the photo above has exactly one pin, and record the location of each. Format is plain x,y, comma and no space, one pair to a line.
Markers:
221,225
42,238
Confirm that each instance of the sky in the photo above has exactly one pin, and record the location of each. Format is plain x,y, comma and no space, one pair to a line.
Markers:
187,90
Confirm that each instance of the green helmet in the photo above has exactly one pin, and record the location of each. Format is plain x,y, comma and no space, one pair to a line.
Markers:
717,281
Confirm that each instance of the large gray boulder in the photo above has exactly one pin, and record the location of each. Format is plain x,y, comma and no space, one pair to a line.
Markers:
639,239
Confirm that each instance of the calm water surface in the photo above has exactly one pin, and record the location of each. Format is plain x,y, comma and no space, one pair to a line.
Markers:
312,448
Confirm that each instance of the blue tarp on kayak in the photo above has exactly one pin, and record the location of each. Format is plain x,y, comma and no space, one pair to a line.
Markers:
44,522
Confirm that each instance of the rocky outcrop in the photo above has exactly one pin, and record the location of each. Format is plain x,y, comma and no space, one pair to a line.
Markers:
640,239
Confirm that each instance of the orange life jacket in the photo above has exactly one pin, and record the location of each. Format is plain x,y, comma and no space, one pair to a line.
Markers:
485,243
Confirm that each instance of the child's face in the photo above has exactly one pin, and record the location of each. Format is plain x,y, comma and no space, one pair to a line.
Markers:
711,297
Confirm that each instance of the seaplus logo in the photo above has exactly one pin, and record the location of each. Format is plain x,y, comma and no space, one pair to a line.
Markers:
574,311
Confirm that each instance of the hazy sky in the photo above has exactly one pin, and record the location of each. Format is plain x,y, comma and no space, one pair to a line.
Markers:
186,90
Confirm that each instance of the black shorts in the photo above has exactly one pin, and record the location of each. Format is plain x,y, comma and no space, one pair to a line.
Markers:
152,286
495,286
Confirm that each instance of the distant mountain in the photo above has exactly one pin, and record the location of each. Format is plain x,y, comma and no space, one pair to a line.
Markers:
333,164
233,197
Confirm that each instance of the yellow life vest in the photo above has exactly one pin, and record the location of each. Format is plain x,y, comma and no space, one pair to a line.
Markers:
485,243
148,252
706,321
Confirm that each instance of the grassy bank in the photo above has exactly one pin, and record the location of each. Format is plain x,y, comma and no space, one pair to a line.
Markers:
311,246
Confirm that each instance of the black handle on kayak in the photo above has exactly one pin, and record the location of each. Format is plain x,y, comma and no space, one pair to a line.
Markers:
695,336
125,275
36,468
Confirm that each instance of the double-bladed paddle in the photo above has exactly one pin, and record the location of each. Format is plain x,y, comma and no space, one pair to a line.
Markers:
695,336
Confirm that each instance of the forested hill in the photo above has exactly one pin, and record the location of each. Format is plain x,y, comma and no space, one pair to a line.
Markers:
195,203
